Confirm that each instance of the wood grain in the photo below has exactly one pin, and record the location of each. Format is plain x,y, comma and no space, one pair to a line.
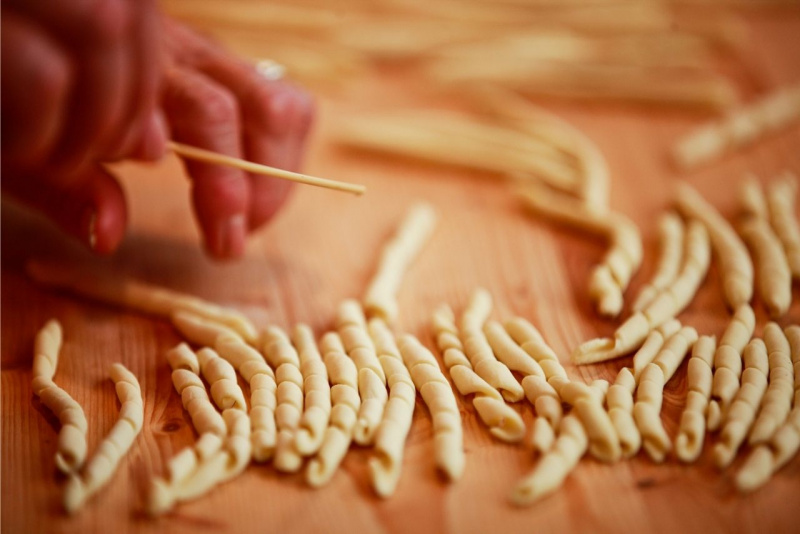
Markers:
322,248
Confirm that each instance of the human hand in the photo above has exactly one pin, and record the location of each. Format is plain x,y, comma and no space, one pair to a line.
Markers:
96,81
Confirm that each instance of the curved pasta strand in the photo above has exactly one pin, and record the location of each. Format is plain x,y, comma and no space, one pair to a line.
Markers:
441,402
728,363
480,353
100,468
71,448
503,422
781,194
283,357
390,437
199,330
736,269
692,426
739,418
249,363
317,389
777,402
344,412
380,298
671,233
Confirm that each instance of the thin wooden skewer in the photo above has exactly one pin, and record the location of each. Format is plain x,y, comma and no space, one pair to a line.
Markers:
208,156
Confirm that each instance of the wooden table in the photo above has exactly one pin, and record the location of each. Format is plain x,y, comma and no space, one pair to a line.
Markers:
322,248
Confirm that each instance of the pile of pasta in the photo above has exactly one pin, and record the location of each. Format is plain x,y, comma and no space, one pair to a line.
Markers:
310,398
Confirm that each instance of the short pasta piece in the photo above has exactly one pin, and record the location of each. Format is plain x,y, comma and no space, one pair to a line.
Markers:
352,327
344,412
390,437
777,401
744,407
619,402
728,363
768,457
100,468
71,448
283,357
736,269
504,423
692,429
199,330
221,378
480,353
441,402
611,277
671,232
249,363
185,368
380,298
554,467
317,389
781,194
509,353
531,341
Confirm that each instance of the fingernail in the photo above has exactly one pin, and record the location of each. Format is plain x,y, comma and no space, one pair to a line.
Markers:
229,238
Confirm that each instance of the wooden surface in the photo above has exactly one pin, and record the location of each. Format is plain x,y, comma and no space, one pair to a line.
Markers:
322,248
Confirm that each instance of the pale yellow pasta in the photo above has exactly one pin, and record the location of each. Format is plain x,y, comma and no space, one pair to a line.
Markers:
211,466
549,412
619,401
671,232
114,289
221,378
71,448
611,277
649,396
205,418
744,407
352,327
665,306
777,401
531,341
736,269
774,278
441,402
768,457
692,429
199,330
728,363
343,376
480,354
263,393
380,298
781,194
559,461
603,440
504,423
100,468
739,128
390,437
283,357
508,352
317,389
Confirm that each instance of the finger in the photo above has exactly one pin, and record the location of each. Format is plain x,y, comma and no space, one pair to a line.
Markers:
280,139
146,66
204,114
36,82
95,31
276,117
92,210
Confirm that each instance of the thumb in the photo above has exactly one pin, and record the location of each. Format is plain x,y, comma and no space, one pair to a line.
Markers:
91,208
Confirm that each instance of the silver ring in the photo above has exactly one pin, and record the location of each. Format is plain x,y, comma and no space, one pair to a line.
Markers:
270,69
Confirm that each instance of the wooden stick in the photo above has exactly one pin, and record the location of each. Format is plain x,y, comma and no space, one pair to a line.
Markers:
208,156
